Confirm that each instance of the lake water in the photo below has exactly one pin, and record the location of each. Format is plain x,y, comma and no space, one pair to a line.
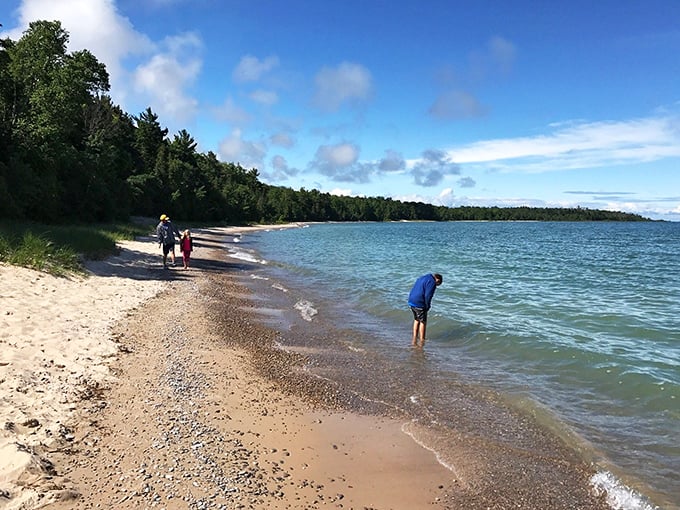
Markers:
577,324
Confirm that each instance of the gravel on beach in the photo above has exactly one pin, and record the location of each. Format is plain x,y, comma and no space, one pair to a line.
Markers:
205,413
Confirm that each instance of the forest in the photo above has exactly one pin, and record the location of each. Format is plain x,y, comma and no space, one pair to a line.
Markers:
69,154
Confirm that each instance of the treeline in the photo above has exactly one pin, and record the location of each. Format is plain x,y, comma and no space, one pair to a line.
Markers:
67,152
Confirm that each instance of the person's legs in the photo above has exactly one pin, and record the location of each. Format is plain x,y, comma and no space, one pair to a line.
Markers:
166,250
185,257
421,333
172,255
419,320
418,333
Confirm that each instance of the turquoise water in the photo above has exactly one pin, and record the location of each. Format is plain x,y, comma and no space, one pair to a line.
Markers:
577,322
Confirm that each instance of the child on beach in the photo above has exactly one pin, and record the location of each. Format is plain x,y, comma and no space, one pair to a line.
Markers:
186,246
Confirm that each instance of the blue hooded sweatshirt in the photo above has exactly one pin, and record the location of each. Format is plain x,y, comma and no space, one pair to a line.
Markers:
422,292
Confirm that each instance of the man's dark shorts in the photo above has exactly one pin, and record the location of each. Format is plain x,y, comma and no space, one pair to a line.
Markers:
419,314
167,248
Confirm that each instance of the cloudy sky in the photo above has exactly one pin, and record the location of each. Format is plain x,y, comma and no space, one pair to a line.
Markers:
481,102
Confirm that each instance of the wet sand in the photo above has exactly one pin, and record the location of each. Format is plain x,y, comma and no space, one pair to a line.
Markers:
199,409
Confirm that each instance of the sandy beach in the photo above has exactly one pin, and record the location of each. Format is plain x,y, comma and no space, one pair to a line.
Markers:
138,387
119,392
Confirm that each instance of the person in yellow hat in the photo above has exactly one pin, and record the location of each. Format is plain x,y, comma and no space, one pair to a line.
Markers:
166,231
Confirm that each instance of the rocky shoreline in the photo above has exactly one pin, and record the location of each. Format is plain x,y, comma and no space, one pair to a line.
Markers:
191,423
205,412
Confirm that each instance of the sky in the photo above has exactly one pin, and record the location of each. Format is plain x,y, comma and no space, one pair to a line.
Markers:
483,102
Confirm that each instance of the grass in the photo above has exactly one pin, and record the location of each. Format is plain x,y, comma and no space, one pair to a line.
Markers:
60,249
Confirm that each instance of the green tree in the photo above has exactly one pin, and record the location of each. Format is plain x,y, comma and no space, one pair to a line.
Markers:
211,169
52,91
109,161
149,138
188,185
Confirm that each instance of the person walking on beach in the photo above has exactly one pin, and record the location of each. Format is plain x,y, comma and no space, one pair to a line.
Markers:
175,231
186,246
165,231
420,300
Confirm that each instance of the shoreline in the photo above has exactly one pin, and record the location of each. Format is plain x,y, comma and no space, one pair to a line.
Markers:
204,412
55,455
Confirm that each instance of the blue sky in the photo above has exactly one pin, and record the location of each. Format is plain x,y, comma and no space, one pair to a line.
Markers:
555,103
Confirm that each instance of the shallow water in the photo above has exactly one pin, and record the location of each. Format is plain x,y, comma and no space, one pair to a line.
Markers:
577,324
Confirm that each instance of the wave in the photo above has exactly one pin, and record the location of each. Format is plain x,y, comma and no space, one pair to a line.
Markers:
248,256
306,309
619,496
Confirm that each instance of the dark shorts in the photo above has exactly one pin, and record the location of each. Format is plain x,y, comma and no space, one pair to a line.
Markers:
167,248
419,314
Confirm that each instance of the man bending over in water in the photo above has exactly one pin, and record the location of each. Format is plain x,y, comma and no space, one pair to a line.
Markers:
420,299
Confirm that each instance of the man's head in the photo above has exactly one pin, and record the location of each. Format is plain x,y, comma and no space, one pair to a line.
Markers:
438,279
164,217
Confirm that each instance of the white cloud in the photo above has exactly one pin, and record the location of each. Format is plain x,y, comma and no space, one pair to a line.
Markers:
251,68
392,162
583,145
163,80
339,155
232,113
466,182
281,171
347,83
432,168
160,81
265,97
456,104
502,52
95,25
446,197
235,149
282,140
340,162
341,192
279,163
459,99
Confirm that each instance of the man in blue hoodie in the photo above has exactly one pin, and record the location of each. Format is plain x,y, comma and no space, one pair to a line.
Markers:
420,299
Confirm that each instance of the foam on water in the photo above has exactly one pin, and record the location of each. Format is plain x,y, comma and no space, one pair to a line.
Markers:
306,309
246,255
409,429
619,496
280,346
